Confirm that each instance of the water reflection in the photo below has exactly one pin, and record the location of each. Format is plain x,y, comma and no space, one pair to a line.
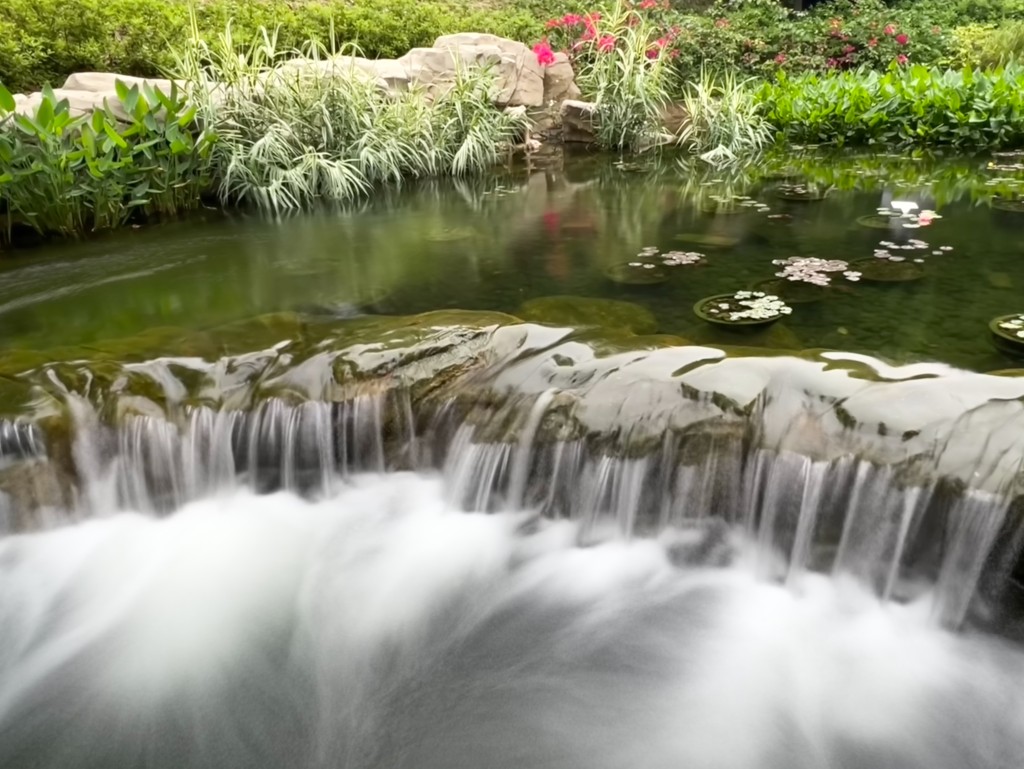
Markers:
495,242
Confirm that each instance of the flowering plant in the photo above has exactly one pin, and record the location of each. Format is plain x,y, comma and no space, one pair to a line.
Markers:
745,306
811,269
1014,325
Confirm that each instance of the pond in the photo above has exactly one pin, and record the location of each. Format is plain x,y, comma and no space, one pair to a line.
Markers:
498,242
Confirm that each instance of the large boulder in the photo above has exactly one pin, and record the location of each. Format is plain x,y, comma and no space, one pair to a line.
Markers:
560,81
579,121
101,82
520,77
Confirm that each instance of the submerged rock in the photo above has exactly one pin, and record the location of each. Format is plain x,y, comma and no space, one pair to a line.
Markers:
578,311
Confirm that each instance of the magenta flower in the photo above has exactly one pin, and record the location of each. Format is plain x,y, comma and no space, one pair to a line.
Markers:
545,55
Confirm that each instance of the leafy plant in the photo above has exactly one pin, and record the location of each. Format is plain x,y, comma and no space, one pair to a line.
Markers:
965,109
69,175
724,120
987,46
295,127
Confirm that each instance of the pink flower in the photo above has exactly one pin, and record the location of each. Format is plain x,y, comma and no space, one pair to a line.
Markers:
890,30
572,20
833,63
902,39
647,5
780,58
901,59
849,49
553,24
872,42
652,53
545,55
606,43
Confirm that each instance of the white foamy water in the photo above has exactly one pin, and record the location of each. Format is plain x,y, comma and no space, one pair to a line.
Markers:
380,628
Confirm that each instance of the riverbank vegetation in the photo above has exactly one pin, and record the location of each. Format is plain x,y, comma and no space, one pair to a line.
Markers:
723,80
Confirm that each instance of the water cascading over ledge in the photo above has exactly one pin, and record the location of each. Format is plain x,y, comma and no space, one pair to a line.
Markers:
902,478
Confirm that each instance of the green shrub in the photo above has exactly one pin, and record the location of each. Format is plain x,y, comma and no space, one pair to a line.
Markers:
43,41
968,110
987,47
69,176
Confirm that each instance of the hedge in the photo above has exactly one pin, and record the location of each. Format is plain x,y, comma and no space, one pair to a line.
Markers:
42,41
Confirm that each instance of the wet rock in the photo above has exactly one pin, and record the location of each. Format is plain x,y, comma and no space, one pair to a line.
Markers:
579,121
578,311
32,492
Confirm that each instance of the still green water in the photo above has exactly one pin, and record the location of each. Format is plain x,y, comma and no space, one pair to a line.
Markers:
497,242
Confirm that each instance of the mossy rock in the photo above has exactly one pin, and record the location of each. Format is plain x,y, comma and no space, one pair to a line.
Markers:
579,311
707,240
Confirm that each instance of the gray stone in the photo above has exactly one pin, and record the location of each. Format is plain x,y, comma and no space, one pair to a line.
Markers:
579,121
106,81
560,81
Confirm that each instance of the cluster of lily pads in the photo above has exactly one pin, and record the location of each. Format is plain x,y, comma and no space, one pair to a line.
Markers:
886,247
747,306
742,201
668,258
812,270
1014,325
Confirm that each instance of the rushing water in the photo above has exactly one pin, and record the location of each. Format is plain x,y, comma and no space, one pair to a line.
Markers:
326,540
377,627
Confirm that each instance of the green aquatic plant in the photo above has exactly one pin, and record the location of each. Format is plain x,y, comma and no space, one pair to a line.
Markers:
68,176
298,126
724,119
963,109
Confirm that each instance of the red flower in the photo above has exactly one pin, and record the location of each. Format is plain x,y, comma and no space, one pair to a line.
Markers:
901,59
606,43
545,55
553,24
647,5
849,48
780,58
872,42
572,20
652,53
902,39
833,63
890,30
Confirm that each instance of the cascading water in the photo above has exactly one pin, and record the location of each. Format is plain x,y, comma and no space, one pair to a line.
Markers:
556,560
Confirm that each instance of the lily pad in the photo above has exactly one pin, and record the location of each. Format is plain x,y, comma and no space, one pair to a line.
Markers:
791,291
705,310
634,274
800,193
1007,339
577,311
1013,206
875,221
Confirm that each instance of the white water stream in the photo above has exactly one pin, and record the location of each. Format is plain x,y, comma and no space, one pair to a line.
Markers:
378,627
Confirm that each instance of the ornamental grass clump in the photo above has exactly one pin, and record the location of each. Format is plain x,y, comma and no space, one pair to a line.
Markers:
296,127
724,119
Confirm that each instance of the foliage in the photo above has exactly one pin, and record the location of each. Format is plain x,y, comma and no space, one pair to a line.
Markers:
42,41
724,119
69,175
299,126
968,110
987,46
621,62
